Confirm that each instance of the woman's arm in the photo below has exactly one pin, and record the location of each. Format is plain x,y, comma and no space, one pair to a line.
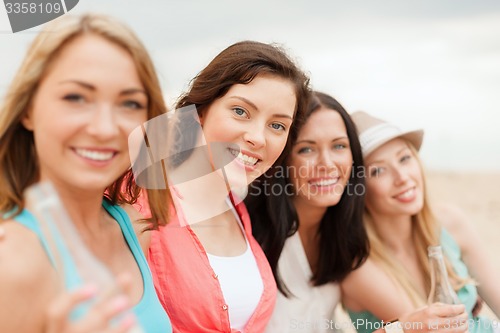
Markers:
474,254
369,288
32,298
27,280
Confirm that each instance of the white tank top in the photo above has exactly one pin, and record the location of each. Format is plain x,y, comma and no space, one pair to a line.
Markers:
311,308
240,281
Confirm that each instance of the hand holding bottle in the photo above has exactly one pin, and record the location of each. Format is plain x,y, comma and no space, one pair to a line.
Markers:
437,317
102,308
100,317
445,313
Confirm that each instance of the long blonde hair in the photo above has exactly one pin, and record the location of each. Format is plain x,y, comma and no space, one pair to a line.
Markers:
18,160
425,232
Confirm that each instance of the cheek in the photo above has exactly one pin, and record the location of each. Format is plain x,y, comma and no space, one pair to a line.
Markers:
376,190
298,172
275,147
418,176
295,181
373,201
221,132
346,167
129,124
48,132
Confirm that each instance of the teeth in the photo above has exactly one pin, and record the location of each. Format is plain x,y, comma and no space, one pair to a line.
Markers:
325,182
95,155
407,194
245,159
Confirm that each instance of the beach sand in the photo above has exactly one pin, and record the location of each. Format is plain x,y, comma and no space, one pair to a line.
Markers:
478,195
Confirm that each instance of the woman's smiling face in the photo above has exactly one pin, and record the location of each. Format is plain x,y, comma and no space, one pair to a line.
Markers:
394,183
84,109
255,118
320,164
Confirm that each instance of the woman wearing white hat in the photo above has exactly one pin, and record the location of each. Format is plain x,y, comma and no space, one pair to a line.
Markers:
401,226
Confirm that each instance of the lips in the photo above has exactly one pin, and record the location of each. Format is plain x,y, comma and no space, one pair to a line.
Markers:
324,181
98,155
407,195
244,158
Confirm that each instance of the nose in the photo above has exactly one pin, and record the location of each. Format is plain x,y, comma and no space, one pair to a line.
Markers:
255,136
400,175
326,159
103,125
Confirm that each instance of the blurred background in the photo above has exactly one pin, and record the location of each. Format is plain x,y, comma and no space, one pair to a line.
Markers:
431,64
420,64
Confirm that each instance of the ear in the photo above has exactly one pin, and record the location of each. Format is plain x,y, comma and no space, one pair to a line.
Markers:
27,121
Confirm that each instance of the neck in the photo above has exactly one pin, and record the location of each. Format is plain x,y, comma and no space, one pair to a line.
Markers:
200,203
84,208
309,221
309,218
198,198
395,231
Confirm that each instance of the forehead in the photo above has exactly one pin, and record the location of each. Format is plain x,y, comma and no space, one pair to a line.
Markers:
388,150
89,54
267,92
323,124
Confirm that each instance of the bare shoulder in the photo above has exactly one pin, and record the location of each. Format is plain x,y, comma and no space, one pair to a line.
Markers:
456,222
28,280
21,253
370,288
140,226
367,277
450,216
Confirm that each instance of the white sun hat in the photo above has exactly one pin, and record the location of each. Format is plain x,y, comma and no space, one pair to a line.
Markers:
374,132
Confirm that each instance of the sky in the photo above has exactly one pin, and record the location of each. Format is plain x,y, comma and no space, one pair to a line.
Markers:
419,64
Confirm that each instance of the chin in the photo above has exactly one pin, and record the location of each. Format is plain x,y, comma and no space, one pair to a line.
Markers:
239,193
414,210
324,201
237,185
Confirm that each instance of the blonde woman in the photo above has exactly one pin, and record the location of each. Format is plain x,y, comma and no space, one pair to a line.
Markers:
400,224
85,84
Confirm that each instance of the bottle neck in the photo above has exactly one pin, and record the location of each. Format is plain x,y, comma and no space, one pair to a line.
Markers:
441,289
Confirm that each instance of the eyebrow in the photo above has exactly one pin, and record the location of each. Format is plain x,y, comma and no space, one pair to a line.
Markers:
397,153
277,115
403,149
313,142
88,86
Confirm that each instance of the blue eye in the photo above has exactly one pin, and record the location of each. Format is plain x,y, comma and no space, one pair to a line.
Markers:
278,127
376,171
75,98
339,146
240,112
405,158
305,150
133,105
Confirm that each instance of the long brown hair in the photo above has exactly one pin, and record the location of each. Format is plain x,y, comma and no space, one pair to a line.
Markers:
18,160
240,63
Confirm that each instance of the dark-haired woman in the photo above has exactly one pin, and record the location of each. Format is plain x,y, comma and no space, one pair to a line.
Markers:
312,232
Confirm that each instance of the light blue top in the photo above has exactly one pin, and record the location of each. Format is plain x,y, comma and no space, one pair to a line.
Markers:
467,294
149,312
